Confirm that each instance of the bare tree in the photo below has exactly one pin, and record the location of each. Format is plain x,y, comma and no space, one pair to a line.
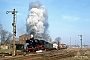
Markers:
0,30
4,35
0,26
8,36
8,39
57,40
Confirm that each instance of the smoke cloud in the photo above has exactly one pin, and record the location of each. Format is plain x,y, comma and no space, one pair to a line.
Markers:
37,21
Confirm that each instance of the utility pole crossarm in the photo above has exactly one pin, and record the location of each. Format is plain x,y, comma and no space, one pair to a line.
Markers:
7,12
12,12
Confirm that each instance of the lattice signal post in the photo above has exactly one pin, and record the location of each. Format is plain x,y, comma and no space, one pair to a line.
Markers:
81,41
14,28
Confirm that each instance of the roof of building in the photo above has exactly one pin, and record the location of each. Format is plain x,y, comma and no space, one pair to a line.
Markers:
25,35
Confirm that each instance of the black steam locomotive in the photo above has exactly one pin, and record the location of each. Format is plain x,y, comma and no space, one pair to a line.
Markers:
33,45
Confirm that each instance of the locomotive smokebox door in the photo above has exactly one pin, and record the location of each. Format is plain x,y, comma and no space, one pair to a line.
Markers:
31,36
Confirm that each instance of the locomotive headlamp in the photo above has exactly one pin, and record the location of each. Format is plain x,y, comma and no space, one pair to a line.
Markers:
31,35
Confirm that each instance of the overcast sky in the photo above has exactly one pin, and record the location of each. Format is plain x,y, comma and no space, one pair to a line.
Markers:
66,18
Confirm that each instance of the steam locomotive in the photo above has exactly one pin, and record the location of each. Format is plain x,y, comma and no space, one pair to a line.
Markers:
33,45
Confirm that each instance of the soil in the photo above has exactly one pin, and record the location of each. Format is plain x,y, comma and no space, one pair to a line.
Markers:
65,54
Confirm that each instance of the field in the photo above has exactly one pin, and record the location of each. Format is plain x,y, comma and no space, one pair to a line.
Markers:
81,55
5,50
66,54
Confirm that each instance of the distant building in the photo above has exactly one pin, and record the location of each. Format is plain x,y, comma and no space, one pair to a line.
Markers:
4,47
23,38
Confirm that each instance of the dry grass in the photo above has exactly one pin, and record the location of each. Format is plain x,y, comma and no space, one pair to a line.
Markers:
67,54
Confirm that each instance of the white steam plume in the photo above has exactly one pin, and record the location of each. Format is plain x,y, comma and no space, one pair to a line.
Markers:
37,19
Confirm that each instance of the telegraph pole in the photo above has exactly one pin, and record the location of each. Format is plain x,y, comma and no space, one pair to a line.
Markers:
75,43
14,29
70,42
81,41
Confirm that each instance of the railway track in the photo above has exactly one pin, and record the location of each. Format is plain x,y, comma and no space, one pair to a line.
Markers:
44,55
